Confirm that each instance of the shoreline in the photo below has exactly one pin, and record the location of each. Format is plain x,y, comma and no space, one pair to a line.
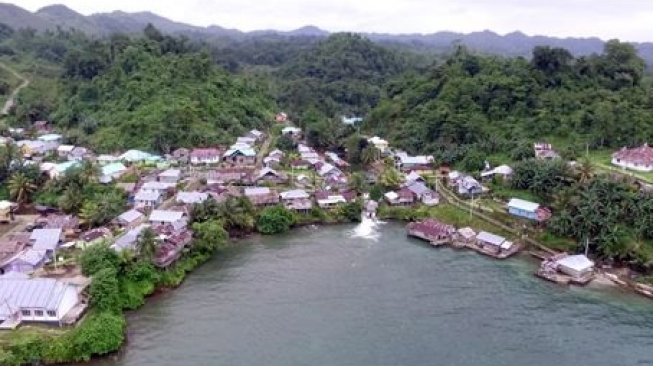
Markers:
602,282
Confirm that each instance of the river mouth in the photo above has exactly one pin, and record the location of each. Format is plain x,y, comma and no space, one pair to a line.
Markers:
351,295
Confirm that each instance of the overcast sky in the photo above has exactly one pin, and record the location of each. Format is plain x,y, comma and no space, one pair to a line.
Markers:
630,20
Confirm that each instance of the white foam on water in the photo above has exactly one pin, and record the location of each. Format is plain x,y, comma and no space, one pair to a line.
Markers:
367,229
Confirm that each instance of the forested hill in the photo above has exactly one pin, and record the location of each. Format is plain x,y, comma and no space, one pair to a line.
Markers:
343,74
493,105
150,92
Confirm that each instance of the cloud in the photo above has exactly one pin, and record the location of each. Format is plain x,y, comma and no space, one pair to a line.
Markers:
625,19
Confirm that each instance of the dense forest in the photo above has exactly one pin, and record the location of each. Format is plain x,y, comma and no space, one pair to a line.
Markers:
123,92
493,104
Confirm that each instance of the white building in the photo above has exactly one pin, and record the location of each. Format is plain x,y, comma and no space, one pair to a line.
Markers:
576,266
42,300
639,158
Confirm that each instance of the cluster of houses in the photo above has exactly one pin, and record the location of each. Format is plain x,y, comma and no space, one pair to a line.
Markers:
483,242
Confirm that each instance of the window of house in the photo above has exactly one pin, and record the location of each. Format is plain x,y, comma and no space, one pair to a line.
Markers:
52,313
38,313
26,312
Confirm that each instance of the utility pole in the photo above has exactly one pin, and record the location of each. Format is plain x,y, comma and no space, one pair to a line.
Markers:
587,246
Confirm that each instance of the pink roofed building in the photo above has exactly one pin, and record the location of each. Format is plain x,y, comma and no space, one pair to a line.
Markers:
638,158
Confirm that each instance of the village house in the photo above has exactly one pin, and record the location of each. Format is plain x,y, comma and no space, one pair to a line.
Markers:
105,159
328,200
56,171
414,177
303,180
80,153
327,171
336,182
423,193
137,156
271,176
406,163
493,243
431,230
180,156
272,162
129,188
111,172
528,210
38,300
468,186
638,158
297,200
128,241
189,198
205,156
466,235
147,199
51,138
172,176
26,261
177,219
240,157
300,164
158,187
578,267
7,211
69,224
291,131
30,148
65,150
129,220
171,247
262,196
93,237
47,240
246,141
503,171
544,151
403,197
276,153
243,176
336,160
220,193
257,135
379,143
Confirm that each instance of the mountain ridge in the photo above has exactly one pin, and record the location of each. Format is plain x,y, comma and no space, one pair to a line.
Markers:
515,43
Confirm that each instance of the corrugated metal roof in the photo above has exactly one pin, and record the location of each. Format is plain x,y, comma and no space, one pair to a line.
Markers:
256,191
523,205
294,194
130,216
147,196
192,197
490,238
36,293
166,216
46,239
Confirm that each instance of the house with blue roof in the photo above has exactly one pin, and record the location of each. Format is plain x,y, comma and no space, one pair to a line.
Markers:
137,156
240,157
59,170
112,171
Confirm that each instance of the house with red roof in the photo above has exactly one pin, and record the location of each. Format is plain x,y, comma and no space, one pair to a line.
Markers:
638,158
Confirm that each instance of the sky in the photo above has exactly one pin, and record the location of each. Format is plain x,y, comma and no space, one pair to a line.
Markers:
628,20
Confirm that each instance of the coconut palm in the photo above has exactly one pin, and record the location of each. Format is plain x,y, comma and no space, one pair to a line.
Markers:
390,178
146,245
584,171
369,155
238,213
89,172
91,213
357,182
21,187
72,199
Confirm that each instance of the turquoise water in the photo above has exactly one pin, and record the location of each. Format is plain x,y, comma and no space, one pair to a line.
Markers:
327,297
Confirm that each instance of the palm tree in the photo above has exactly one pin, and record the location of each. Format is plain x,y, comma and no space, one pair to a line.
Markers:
238,213
357,183
91,213
10,156
21,187
89,172
146,245
369,155
390,178
72,199
584,171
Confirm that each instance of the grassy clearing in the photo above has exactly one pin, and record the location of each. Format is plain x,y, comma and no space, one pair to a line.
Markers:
454,216
29,331
602,160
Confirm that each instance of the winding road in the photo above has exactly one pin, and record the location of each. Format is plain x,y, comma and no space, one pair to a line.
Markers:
10,101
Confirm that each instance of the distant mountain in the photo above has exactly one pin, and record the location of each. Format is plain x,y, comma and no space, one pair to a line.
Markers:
102,24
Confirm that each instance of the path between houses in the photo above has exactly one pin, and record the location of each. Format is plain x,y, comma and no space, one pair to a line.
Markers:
10,101
463,205
263,152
